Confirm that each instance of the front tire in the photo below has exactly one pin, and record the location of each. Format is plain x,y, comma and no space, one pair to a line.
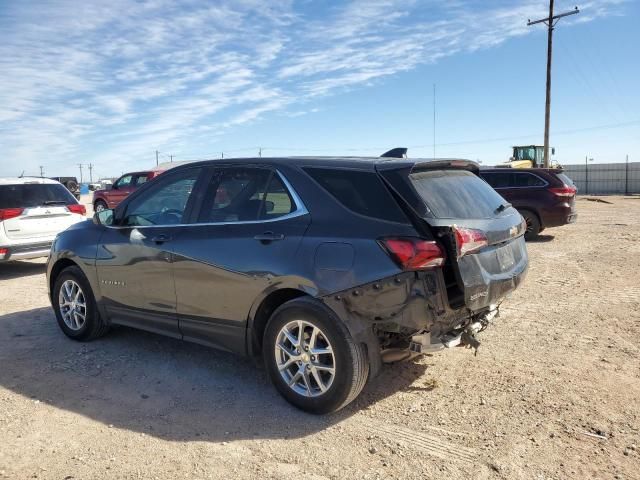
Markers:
311,357
75,306
99,206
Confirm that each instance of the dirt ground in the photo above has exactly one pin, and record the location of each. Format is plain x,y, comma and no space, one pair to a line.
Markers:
553,393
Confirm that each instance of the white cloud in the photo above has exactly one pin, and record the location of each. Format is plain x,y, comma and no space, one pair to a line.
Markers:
123,78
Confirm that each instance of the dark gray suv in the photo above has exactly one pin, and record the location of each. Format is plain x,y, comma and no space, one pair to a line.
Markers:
327,267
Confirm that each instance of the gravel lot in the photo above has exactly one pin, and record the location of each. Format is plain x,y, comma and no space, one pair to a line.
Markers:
553,392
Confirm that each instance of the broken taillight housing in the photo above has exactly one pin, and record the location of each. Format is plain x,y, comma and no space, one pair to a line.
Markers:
77,208
7,213
564,191
469,240
414,253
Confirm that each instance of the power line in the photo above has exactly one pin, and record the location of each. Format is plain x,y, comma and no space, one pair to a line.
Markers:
550,22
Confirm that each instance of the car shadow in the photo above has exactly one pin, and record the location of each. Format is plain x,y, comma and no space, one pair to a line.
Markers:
542,239
18,269
161,386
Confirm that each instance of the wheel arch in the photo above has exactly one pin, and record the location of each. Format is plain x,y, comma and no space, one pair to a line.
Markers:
57,268
534,212
261,313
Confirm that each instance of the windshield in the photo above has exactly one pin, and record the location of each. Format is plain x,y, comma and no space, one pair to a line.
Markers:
34,195
456,194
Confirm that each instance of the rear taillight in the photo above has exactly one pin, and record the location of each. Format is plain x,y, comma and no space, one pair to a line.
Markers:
77,208
469,240
414,253
564,191
7,213
3,252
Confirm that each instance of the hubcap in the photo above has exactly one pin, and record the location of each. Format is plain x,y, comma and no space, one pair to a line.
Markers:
72,305
99,207
305,358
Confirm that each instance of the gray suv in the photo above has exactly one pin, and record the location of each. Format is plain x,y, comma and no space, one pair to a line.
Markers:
326,267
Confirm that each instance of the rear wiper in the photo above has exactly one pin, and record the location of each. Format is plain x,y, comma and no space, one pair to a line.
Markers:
502,207
54,202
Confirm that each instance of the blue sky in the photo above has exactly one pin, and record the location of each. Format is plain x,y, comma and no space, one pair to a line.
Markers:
108,83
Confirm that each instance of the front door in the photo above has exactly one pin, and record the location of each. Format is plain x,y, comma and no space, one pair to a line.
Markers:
245,236
120,190
134,257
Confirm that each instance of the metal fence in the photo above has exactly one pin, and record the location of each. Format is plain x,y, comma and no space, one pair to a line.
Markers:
605,178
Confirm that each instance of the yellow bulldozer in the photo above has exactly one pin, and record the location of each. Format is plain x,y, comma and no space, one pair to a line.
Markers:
527,156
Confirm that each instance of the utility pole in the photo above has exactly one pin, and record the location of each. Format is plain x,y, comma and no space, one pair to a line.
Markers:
157,158
626,176
260,152
550,22
171,158
221,154
80,165
90,172
41,171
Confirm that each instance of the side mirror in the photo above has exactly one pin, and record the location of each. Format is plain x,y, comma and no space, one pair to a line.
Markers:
105,217
113,186
268,206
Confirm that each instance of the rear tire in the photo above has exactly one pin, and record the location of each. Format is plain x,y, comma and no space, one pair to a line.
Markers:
99,206
533,225
75,306
342,364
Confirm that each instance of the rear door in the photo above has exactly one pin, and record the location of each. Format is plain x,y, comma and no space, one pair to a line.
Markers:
483,234
43,206
240,244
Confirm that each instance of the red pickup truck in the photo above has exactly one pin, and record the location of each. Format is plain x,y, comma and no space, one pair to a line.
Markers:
126,184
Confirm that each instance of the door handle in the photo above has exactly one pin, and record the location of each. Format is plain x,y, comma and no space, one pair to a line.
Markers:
161,238
269,237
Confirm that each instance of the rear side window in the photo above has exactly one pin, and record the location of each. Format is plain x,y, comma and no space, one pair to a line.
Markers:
524,179
245,195
456,194
34,195
361,192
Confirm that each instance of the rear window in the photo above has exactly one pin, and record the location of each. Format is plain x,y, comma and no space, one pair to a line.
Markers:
34,195
361,192
565,179
456,194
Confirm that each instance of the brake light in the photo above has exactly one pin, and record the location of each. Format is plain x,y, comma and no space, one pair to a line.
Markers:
7,213
3,252
77,208
564,191
469,240
414,253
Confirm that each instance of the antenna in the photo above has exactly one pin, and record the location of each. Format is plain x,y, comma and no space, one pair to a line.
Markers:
434,121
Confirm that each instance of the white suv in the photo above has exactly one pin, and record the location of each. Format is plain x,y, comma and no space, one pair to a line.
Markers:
32,212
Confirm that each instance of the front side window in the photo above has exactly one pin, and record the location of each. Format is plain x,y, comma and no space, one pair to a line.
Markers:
245,195
497,179
124,182
165,204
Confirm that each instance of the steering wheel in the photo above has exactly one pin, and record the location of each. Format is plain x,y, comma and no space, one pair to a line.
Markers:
166,212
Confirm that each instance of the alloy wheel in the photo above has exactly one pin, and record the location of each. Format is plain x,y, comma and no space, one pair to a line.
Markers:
305,358
72,304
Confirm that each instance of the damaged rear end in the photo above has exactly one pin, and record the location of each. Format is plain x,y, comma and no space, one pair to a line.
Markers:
468,256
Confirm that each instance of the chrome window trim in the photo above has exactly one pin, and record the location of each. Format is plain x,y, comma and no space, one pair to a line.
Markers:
300,210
